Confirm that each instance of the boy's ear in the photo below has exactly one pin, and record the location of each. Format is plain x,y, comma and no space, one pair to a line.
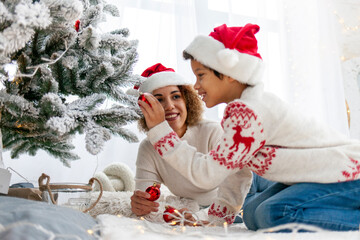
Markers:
229,79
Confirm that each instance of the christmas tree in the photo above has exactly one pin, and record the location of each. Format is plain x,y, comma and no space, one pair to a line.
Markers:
65,70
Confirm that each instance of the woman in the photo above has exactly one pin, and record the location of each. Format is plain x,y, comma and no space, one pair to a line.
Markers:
183,111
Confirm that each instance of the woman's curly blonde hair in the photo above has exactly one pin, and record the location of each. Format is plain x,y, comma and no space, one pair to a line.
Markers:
194,108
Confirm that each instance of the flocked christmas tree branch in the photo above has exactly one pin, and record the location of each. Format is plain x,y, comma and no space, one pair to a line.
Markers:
60,55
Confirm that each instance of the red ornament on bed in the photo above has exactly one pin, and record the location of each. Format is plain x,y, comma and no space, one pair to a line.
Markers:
168,211
154,192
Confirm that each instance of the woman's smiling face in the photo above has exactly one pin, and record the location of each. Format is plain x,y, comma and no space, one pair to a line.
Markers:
173,102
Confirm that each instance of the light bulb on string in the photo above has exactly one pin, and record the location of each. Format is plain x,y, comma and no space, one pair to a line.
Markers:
226,228
141,229
346,27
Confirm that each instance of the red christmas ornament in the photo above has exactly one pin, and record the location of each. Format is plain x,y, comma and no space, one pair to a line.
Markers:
154,192
142,98
77,25
166,215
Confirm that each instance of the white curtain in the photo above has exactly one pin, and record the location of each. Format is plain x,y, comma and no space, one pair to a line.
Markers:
297,41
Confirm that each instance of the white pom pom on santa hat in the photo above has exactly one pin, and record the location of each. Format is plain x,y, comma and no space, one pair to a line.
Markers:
232,51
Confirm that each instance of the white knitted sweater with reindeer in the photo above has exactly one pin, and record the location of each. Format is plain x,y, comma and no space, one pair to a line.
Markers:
268,137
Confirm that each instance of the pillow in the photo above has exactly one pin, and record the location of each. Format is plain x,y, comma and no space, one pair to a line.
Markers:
26,219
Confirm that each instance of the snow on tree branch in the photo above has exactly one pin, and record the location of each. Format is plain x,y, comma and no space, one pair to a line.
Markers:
65,70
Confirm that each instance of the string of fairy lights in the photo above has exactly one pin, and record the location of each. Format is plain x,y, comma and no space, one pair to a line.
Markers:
19,75
345,26
347,29
141,226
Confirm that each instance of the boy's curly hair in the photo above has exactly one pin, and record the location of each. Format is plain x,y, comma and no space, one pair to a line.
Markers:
194,108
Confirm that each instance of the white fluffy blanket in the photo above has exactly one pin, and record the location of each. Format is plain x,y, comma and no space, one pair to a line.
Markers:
120,227
118,203
116,221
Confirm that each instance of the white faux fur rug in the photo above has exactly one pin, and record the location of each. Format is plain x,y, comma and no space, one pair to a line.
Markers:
120,227
116,221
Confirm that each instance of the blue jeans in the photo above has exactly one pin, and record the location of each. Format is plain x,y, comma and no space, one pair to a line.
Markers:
258,185
334,206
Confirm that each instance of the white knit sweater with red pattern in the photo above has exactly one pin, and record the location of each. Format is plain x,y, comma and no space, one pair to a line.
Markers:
268,137
150,167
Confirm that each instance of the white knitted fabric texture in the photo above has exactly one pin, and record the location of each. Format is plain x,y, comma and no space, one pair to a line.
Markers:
118,203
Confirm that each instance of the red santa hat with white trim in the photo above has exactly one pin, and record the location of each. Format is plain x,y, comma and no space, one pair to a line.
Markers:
231,51
158,76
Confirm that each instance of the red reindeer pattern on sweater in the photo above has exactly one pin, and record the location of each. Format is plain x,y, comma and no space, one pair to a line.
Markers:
238,138
240,146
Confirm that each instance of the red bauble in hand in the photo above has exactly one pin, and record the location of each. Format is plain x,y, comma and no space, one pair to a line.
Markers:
168,211
154,192
142,98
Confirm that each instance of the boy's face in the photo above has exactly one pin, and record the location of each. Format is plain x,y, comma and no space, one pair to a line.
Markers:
211,89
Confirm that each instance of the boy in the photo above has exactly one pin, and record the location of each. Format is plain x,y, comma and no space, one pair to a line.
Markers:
318,169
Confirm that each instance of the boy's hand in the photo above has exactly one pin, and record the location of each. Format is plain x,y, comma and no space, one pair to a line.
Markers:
140,205
153,114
